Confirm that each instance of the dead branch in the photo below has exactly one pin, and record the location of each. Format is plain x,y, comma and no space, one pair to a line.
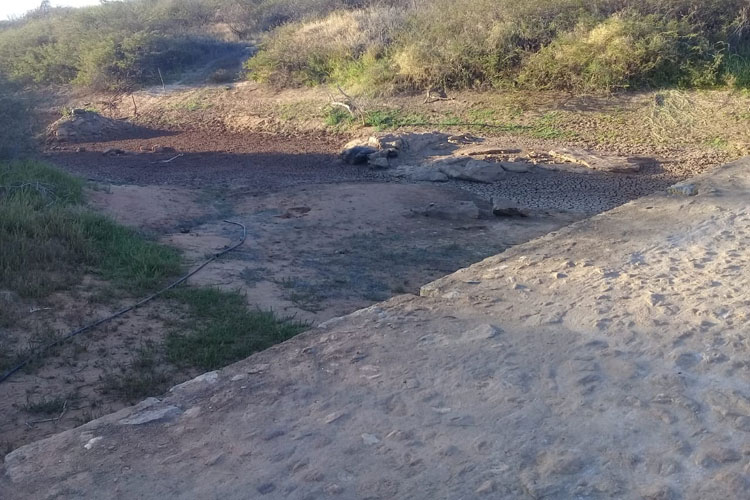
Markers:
440,95
173,158
348,103
53,419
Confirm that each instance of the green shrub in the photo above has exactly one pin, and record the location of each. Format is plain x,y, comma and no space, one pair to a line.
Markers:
623,52
556,44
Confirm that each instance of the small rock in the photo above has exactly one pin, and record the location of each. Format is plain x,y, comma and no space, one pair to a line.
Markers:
481,150
483,332
451,211
515,167
475,171
259,368
91,442
486,487
113,152
659,493
683,189
334,489
152,415
713,456
420,173
80,149
266,488
370,439
379,162
332,417
358,155
506,208
387,142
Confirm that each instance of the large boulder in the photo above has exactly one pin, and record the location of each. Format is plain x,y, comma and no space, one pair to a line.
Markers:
82,125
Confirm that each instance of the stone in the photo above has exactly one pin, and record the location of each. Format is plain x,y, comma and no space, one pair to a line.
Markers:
334,489
152,415
387,142
113,152
605,163
423,173
486,487
92,442
378,162
474,171
266,488
712,456
370,439
482,150
357,155
683,189
516,167
506,208
451,211
483,332
163,149
462,139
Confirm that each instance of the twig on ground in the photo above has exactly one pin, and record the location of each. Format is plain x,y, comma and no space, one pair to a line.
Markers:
39,352
53,419
173,158
440,96
169,160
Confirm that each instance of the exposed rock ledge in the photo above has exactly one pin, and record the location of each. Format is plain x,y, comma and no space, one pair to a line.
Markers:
608,360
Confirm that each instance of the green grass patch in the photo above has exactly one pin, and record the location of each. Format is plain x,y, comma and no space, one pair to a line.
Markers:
223,330
337,117
49,239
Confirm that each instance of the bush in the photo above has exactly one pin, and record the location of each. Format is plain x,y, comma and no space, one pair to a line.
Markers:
347,47
112,46
560,44
623,52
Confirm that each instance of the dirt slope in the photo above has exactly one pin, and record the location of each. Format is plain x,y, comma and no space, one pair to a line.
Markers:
607,360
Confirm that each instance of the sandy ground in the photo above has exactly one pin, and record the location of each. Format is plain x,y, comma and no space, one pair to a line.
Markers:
324,239
605,360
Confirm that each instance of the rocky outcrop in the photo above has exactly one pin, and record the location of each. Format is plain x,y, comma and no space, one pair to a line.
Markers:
606,163
82,125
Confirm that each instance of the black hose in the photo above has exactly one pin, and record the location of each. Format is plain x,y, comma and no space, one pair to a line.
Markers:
5,376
